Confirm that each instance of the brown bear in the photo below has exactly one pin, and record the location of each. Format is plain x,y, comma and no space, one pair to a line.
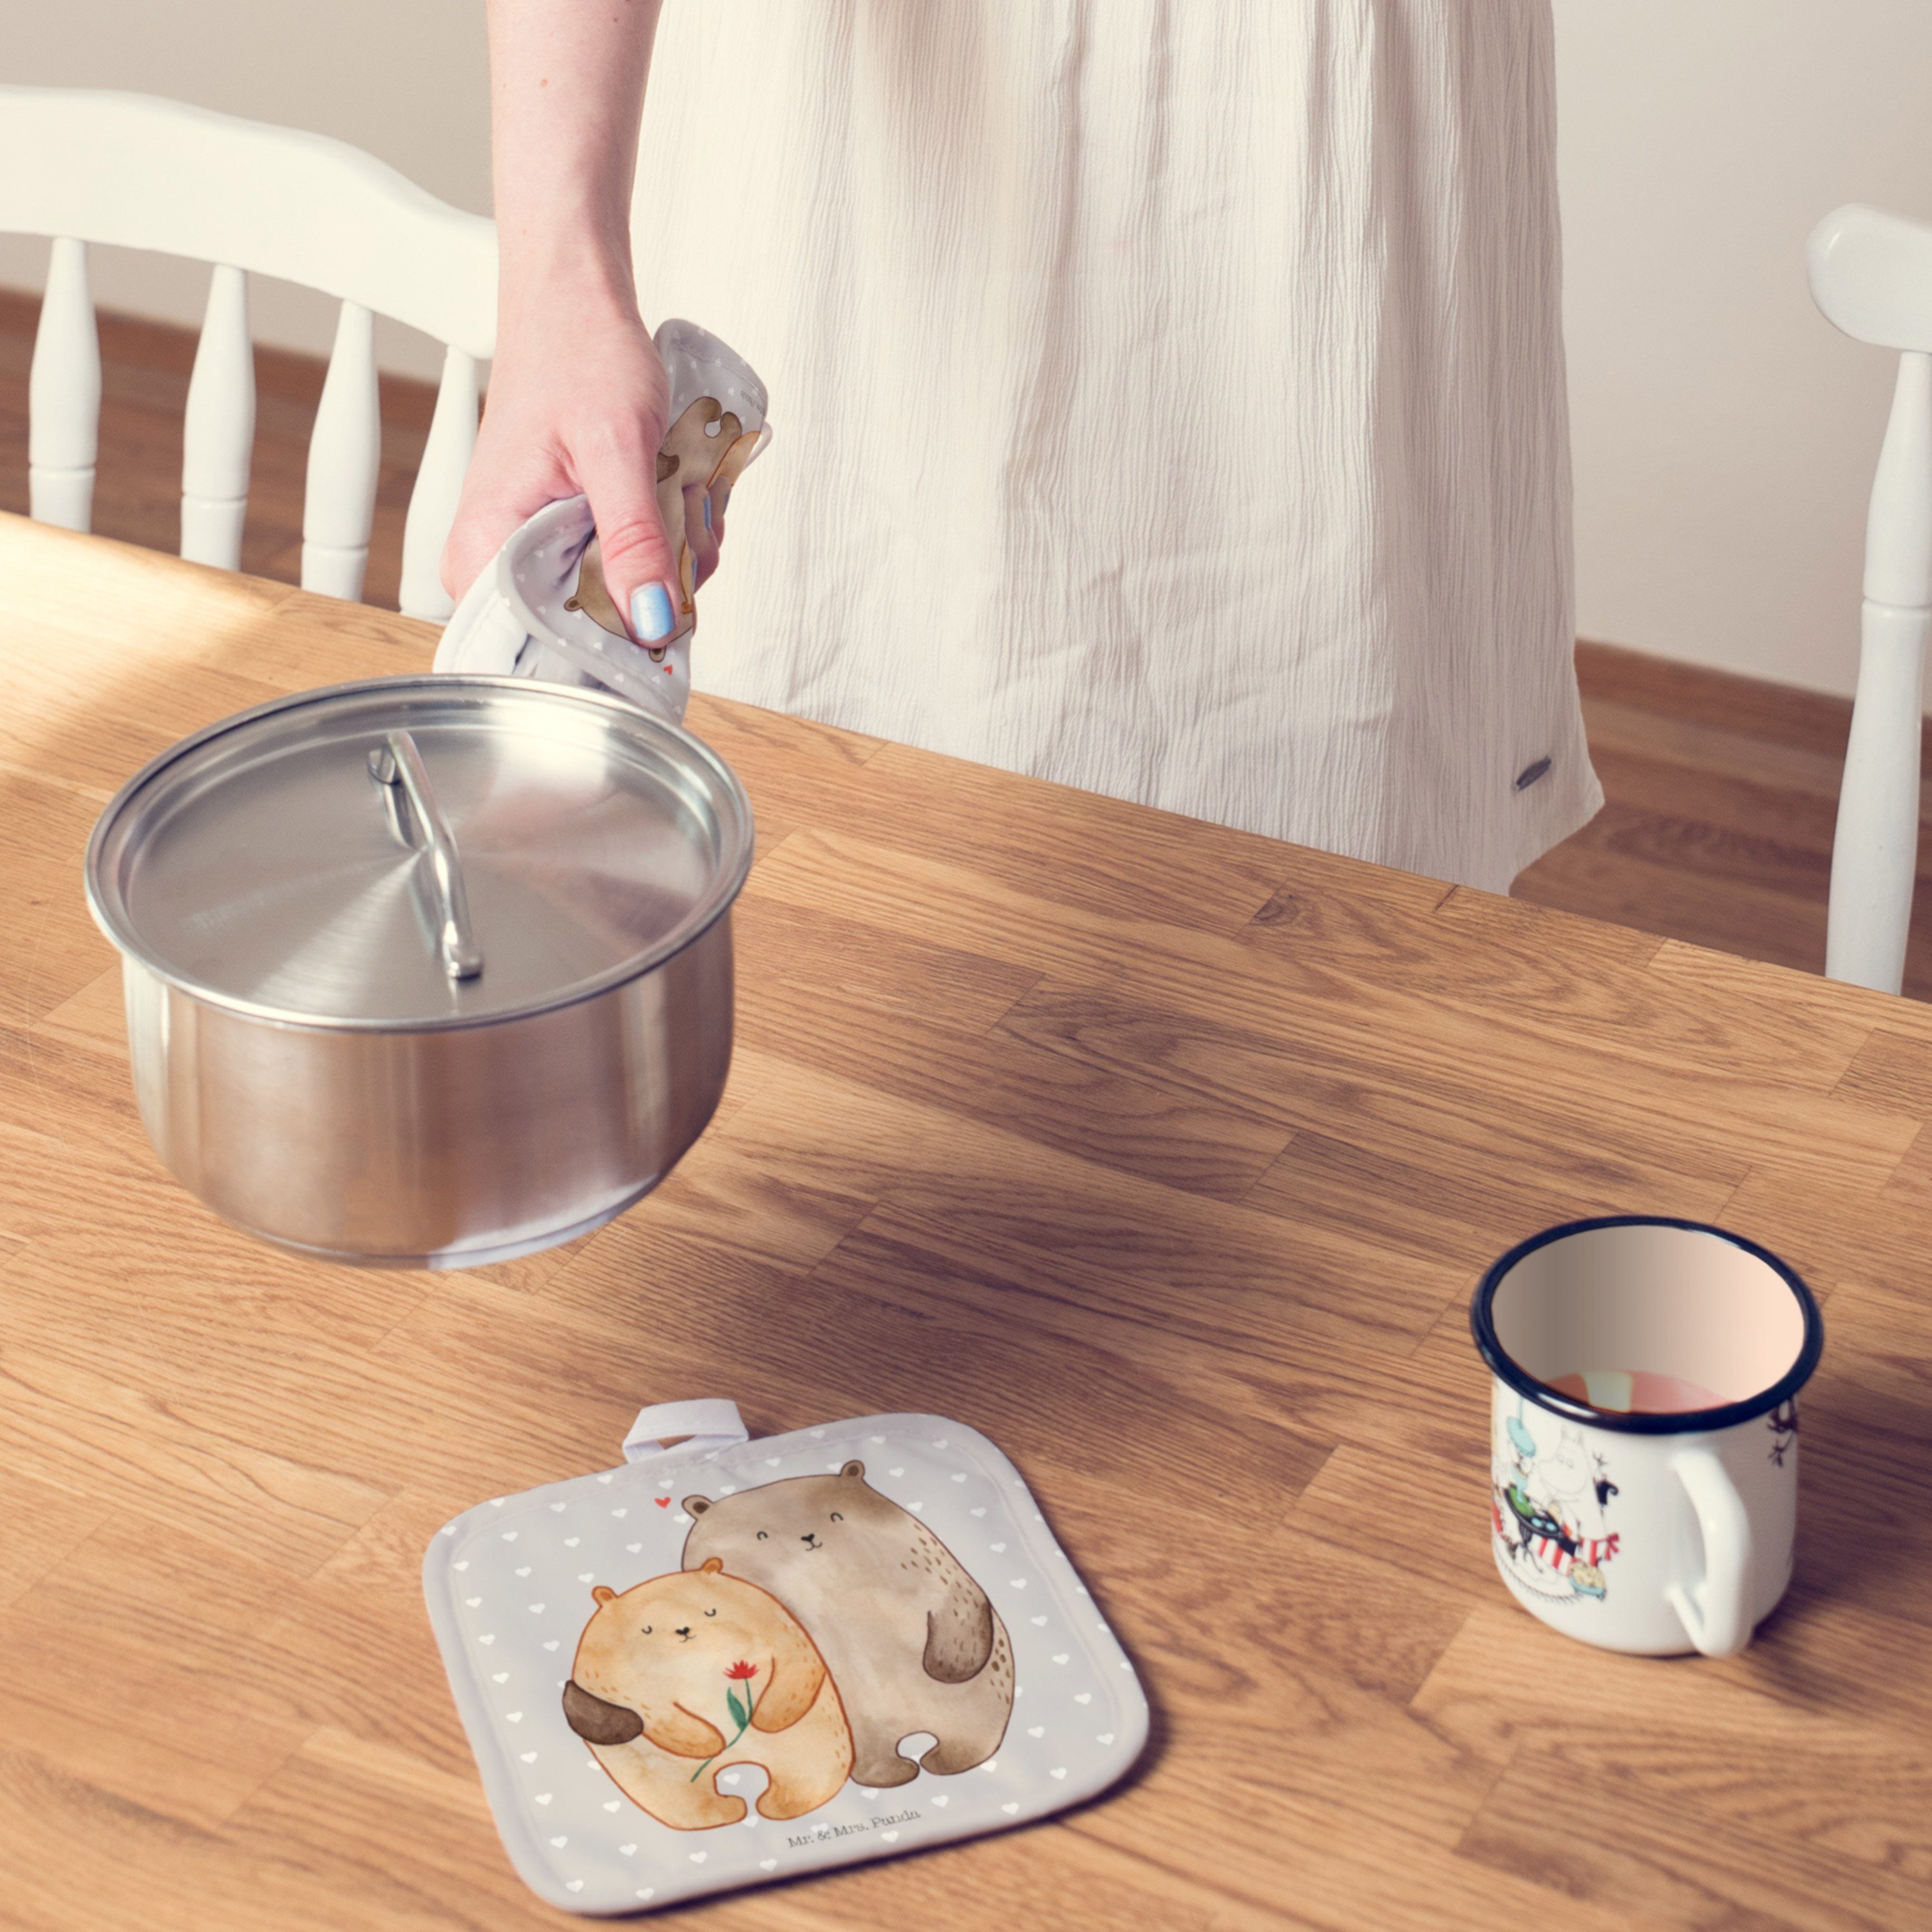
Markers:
912,1641
691,1673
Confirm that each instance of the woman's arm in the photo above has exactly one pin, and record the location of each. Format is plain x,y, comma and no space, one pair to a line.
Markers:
578,396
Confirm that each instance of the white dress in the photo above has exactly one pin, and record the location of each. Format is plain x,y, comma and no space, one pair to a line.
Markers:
1168,399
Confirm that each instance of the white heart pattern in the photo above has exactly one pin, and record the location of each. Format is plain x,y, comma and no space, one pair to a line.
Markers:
499,1677
1083,1697
572,1542
489,1636
1039,1623
557,1509
941,1800
620,1513
1019,1582
459,1566
768,1865
536,1609
1060,1657
509,1536
1009,1809
1061,1772
890,1837
895,1472
524,1571
608,1476
544,1797
552,1644
697,1858
997,1548
559,1842
529,1757
979,1512
1105,1738
584,1577
630,1851
959,1476
472,1602
514,1717
633,1547
574,1885
1038,1731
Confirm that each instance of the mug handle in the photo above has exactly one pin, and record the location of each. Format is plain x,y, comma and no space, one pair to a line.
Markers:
1714,1614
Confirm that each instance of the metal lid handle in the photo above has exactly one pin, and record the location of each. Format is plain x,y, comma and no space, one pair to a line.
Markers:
399,763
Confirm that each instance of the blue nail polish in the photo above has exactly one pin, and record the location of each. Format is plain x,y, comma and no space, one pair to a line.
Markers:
650,612
707,511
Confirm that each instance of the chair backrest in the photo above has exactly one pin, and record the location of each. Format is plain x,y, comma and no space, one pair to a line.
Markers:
128,170
1871,275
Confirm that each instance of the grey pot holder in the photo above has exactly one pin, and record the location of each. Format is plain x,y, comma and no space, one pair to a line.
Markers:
734,1661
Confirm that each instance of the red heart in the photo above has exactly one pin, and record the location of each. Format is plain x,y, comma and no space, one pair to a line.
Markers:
662,1502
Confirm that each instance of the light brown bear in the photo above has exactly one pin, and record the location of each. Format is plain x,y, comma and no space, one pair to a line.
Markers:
912,1641
690,1673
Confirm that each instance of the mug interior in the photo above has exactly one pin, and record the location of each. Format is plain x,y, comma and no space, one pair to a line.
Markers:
1666,1297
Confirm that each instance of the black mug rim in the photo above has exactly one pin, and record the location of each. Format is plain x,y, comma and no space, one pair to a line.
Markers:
1725,1415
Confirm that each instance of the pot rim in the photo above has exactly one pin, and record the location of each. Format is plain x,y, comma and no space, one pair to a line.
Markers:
1679,1422
716,905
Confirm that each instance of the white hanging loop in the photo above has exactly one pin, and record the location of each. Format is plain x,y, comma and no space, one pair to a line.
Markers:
710,1421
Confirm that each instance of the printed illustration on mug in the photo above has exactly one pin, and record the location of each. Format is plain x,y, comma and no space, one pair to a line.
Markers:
1549,1509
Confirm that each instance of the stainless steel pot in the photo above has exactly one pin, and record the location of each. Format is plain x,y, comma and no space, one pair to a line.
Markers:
426,972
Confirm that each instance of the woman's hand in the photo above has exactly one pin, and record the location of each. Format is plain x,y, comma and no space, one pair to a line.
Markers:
578,396
578,403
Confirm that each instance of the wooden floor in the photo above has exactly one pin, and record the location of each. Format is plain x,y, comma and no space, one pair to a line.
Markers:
1721,790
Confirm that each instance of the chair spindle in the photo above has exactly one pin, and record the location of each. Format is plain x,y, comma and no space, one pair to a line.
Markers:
344,454
445,459
63,394
218,433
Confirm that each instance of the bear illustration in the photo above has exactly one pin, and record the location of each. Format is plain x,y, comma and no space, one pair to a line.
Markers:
684,1676
912,1641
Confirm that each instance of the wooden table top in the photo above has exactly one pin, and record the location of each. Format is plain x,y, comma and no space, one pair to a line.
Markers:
1165,1155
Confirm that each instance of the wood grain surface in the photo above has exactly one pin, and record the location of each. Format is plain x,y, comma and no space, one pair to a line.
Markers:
1165,1155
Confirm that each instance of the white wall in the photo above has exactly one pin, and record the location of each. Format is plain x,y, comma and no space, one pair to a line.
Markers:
1725,434
406,80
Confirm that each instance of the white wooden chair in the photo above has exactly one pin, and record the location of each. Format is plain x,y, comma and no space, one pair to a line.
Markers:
1871,274
130,171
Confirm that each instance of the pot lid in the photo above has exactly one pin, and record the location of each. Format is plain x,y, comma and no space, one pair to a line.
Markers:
421,851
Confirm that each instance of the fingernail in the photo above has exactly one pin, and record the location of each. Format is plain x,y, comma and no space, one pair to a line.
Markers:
650,612
707,511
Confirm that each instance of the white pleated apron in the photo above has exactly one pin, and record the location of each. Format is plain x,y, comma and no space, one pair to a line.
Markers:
1170,399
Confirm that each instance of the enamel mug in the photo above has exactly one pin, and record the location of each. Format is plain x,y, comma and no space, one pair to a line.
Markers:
1645,1374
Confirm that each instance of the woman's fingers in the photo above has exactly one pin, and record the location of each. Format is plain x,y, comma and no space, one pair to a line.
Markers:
618,468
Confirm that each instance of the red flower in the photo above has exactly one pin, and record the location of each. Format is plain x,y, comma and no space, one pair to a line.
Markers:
741,1670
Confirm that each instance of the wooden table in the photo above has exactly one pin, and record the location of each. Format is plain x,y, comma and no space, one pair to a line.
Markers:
1165,1155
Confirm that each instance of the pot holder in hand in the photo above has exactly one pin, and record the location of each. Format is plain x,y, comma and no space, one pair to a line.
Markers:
735,1660
540,609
